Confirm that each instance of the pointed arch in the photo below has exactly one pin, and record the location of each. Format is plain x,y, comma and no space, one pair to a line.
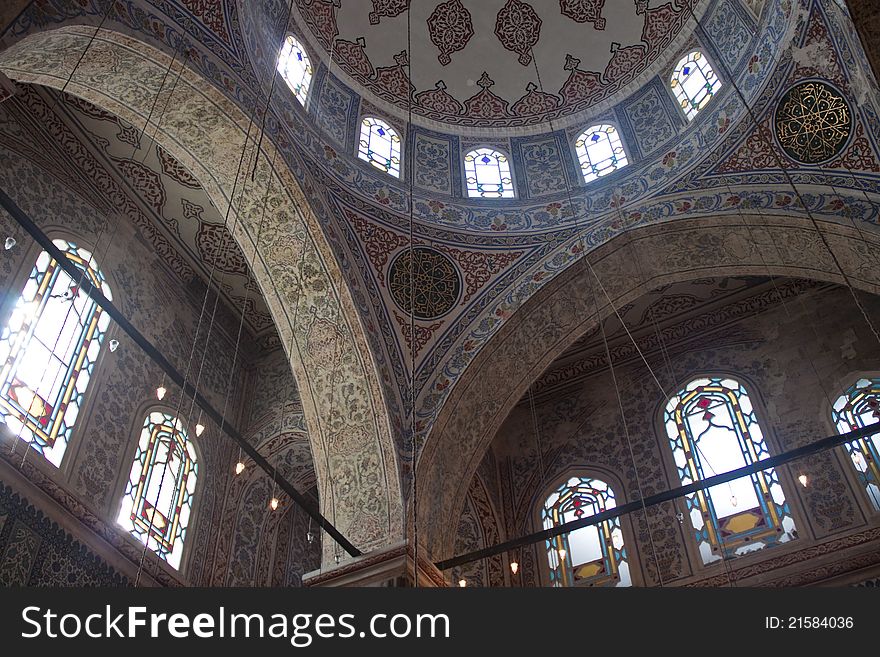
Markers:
360,492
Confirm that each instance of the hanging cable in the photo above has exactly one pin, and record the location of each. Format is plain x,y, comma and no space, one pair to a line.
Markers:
768,145
414,446
101,257
586,263
272,88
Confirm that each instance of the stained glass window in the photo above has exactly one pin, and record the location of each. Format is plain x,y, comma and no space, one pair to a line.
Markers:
694,83
158,496
589,556
600,151
380,146
856,408
487,172
712,428
48,351
296,68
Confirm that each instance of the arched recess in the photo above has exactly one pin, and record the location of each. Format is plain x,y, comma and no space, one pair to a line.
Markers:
350,436
628,266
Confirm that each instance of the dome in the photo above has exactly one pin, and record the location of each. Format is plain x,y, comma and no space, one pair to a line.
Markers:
496,64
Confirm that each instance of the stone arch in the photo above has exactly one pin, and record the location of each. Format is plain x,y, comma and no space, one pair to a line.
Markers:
348,425
629,266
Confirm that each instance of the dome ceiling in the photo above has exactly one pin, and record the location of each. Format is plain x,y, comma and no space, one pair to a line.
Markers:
474,61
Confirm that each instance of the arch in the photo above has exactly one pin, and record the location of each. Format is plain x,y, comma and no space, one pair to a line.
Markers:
600,151
358,483
488,174
295,67
379,144
694,83
629,266
48,350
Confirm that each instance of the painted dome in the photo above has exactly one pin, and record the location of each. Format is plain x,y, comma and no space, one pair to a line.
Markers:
496,63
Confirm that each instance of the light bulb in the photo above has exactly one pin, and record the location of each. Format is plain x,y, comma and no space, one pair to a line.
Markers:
160,392
562,554
514,567
10,242
239,468
114,345
273,504
462,583
310,537
200,429
803,479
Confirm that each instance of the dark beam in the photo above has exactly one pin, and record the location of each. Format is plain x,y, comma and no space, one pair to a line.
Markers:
188,389
659,498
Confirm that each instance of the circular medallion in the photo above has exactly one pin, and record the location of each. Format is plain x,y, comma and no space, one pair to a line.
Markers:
436,282
813,122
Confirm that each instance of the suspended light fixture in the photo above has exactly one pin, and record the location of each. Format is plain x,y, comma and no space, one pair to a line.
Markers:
310,537
733,500
514,567
803,479
114,345
10,242
160,392
273,504
239,468
562,553
462,582
200,429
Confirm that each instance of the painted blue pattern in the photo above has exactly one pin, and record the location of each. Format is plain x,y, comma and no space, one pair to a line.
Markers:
650,118
433,162
729,32
539,165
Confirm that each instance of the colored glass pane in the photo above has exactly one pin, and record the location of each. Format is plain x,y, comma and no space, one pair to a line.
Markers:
48,351
589,556
295,67
158,497
380,146
856,408
487,174
712,429
600,151
694,83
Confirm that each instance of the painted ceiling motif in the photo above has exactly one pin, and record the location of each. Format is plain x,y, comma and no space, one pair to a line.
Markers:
813,122
498,63
175,213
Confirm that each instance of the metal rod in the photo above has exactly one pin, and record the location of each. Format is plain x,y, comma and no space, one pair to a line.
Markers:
666,496
188,389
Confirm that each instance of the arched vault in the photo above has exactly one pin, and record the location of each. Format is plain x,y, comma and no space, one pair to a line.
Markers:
628,266
348,426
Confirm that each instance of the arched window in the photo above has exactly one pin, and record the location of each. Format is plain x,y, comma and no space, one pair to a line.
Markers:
600,151
48,351
487,172
694,83
296,68
380,146
158,497
712,429
856,408
589,556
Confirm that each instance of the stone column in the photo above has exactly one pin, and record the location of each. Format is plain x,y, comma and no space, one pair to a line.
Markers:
390,566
